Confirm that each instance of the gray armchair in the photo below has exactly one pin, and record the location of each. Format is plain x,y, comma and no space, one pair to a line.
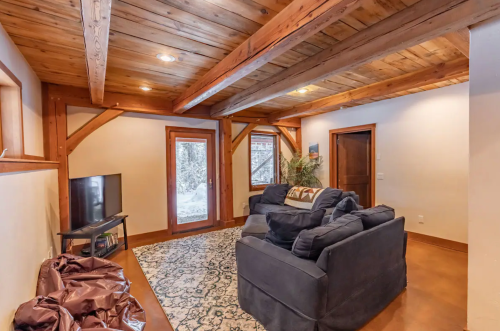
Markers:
349,284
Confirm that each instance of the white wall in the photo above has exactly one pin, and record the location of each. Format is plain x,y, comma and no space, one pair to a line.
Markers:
484,179
423,143
29,210
241,163
133,145
32,94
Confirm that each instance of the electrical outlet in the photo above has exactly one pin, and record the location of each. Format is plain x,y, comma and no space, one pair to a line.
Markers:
421,219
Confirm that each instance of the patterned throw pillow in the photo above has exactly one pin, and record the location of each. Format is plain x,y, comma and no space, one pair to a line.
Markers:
302,197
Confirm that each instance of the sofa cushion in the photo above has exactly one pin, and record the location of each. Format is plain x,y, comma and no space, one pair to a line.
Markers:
275,194
263,208
302,197
284,227
255,226
327,199
310,243
345,206
351,194
375,216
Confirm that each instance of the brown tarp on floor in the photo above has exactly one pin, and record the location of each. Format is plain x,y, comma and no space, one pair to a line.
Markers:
76,294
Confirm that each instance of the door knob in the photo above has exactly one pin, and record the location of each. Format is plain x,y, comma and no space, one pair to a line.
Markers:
210,185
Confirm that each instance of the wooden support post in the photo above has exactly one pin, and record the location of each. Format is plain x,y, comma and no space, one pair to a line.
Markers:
298,139
62,135
49,124
226,172
246,131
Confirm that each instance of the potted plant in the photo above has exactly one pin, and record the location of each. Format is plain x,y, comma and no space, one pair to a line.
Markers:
300,171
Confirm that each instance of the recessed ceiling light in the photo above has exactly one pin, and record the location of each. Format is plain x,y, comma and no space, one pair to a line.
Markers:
145,88
303,90
166,57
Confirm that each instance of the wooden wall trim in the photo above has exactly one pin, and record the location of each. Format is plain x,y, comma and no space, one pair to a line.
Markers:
19,165
333,155
77,137
445,243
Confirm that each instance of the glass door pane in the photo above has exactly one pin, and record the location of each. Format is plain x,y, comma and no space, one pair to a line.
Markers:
191,180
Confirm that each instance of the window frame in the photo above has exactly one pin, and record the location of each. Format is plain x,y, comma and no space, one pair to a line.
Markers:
277,141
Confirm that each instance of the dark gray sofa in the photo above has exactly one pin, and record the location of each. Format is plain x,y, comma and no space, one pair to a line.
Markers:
258,208
351,282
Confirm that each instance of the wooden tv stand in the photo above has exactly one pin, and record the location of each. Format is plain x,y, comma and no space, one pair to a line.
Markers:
95,230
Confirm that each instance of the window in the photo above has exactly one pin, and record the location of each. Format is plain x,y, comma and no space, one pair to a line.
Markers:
264,164
11,117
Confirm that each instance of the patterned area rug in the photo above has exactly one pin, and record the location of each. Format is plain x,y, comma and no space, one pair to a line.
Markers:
194,279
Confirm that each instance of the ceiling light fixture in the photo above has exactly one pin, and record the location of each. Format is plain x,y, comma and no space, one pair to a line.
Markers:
166,57
303,90
145,88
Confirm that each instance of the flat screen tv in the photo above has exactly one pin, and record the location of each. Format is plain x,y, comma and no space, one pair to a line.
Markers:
93,199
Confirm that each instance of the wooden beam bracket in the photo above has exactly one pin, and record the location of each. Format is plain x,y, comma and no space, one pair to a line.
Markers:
288,137
246,131
76,138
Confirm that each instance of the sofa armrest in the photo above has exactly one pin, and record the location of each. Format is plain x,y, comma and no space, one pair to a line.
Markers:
297,283
252,201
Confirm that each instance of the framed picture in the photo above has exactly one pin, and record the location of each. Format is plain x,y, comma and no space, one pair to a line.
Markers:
313,150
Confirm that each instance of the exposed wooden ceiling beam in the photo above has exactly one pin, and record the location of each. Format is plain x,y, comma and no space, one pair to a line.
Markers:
427,76
423,21
75,96
288,137
96,15
298,21
237,141
78,136
461,40
289,123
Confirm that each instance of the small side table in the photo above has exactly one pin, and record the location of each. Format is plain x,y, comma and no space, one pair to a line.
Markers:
95,230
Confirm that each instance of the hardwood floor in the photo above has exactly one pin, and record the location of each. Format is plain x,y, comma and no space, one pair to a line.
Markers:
435,300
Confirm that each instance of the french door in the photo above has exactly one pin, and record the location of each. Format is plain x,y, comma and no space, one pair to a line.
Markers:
190,178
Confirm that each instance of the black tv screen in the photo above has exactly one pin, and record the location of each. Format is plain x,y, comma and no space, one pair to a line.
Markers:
93,199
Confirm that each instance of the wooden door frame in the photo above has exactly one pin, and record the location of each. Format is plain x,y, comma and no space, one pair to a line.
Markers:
170,183
334,149
276,136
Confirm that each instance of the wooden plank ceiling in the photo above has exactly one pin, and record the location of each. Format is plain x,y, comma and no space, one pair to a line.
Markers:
199,34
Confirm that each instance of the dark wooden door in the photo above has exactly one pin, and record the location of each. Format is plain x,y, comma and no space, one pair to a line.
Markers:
354,164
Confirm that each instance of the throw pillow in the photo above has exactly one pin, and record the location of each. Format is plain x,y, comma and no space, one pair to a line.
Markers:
275,194
302,197
375,216
327,199
345,206
310,243
286,226
351,194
